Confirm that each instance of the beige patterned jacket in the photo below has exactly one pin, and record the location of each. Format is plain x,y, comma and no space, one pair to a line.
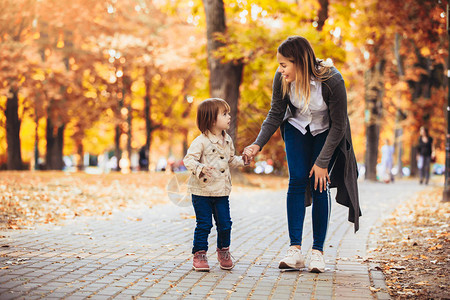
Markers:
207,150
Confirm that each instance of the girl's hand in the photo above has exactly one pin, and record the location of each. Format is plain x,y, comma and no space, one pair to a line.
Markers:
252,150
246,159
320,176
208,171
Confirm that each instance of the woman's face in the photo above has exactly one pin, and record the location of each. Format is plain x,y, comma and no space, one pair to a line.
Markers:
287,68
422,131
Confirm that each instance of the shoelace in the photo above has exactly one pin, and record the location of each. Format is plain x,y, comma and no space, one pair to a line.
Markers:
202,257
225,254
316,256
291,252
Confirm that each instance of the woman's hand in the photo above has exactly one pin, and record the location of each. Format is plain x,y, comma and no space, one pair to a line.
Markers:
320,176
252,150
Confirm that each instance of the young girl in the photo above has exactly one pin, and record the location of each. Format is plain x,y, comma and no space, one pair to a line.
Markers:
209,158
309,102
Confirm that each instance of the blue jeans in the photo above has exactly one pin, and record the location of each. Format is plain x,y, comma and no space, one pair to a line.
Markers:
205,209
424,171
302,151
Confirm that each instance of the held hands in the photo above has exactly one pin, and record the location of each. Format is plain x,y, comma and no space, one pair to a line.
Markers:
251,151
320,176
246,159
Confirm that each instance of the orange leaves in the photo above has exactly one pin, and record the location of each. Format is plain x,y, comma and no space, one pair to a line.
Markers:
414,247
27,199
31,198
439,246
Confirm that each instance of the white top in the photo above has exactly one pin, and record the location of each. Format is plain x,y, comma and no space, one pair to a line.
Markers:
316,115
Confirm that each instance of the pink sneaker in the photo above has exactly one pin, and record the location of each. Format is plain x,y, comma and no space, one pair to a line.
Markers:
224,258
200,261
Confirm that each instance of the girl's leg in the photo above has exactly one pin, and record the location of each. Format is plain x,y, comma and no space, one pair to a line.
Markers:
203,215
298,151
221,213
321,205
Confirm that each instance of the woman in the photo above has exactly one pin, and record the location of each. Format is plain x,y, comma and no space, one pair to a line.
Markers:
425,151
309,102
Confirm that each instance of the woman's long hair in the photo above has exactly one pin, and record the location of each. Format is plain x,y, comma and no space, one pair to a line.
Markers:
299,51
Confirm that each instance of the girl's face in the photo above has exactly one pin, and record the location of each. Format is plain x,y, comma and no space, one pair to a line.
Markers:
223,120
287,68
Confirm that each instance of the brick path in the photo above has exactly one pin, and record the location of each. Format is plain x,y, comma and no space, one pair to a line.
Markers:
146,254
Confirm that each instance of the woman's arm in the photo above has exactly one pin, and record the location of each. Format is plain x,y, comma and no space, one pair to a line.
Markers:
275,115
337,107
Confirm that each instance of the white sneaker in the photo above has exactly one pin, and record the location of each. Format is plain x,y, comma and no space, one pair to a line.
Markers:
293,260
317,263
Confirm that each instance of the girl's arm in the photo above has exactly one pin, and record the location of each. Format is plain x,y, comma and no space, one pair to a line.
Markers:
192,159
276,113
235,161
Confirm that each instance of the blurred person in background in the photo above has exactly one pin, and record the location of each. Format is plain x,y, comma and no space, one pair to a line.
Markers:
387,161
425,154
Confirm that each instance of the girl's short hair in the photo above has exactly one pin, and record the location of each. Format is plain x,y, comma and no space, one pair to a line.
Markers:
207,112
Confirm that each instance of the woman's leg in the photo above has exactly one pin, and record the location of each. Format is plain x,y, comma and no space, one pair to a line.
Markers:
298,151
426,168
421,165
221,213
321,205
203,215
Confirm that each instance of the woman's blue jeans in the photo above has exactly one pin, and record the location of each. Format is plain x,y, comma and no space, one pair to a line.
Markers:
205,209
424,172
302,151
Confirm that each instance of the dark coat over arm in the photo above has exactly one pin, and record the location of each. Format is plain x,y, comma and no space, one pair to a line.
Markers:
338,147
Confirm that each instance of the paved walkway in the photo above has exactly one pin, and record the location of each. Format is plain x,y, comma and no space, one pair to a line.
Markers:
146,254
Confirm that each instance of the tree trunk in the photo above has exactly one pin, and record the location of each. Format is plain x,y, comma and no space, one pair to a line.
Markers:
374,96
118,133
80,154
184,131
414,169
55,142
148,114
13,123
117,152
129,134
323,14
225,79
126,88
372,142
36,141
399,117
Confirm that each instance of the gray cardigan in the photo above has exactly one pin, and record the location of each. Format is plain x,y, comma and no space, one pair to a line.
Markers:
338,147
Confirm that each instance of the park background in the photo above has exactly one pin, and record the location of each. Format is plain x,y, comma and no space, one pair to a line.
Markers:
85,81
118,77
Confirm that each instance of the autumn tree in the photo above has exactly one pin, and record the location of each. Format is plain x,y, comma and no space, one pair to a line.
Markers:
15,34
412,82
225,78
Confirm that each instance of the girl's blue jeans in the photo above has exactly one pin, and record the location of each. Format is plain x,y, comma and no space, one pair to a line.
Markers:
302,151
205,209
